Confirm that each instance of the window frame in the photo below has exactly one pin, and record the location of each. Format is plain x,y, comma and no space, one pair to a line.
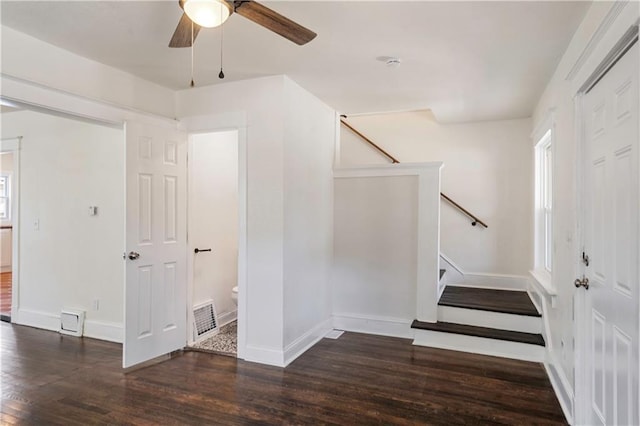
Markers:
7,195
544,208
544,157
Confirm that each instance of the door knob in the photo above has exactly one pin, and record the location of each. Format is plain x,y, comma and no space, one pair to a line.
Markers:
133,255
584,282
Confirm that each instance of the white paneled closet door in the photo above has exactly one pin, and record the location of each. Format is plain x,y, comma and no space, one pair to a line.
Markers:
611,242
156,212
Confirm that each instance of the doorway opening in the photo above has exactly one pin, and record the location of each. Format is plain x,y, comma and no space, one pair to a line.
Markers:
61,212
213,235
7,199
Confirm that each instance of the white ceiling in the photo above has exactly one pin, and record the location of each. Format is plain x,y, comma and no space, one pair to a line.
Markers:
464,60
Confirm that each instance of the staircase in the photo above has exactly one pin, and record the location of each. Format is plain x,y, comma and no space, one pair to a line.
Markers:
485,321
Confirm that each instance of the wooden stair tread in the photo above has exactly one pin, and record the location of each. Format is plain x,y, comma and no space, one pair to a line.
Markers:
472,330
503,301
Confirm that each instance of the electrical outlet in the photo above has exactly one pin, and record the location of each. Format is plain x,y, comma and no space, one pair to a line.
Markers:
96,304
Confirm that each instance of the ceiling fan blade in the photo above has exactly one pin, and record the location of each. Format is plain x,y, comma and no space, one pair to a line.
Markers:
182,35
273,21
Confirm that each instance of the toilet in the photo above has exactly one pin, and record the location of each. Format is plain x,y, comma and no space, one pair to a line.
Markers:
234,295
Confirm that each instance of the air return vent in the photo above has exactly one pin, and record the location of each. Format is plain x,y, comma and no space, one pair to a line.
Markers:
205,320
72,322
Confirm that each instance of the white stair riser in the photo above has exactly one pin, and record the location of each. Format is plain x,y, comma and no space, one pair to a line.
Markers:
479,345
479,318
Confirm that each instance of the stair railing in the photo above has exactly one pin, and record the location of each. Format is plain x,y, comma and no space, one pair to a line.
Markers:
474,219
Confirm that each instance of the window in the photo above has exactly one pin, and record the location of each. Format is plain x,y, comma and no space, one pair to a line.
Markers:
544,203
5,197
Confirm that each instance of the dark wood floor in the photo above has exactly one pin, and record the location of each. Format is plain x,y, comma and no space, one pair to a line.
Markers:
357,379
511,302
5,293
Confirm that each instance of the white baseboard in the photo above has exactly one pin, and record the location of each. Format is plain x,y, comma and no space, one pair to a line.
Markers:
37,319
227,317
261,355
561,386
453,272
306,341
383,326
109,331
102,330
479,345
493,281
458,277
282,358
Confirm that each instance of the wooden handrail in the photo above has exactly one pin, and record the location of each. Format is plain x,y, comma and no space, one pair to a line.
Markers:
475,221
369,141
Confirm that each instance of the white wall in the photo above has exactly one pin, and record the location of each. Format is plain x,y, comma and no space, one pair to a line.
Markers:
488,169
375,248
261,103
598,32
213,218
289,158
309,137
70,258
27,58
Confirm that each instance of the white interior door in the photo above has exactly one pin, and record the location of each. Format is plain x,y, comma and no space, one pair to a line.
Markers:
155,290
611,241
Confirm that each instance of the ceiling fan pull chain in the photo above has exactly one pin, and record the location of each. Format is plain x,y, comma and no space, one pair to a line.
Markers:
192,83
221,74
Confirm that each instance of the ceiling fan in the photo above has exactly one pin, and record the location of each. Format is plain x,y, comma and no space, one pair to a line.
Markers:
212,13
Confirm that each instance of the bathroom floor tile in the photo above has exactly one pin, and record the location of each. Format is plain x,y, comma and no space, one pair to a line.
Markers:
225,342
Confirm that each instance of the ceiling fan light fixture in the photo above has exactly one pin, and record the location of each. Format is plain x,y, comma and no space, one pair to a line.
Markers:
207,13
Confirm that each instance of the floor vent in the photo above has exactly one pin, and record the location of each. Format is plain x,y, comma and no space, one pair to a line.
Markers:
72,322
334,334
205,321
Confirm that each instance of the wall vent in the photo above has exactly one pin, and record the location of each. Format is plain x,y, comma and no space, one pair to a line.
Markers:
205,320
72,322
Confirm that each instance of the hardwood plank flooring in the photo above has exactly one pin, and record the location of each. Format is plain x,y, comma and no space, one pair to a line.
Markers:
5,294
472,330
510,302
357,379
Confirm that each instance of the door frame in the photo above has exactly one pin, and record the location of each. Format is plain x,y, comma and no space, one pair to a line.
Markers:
190,254
53,101
601,62
212,124
12,145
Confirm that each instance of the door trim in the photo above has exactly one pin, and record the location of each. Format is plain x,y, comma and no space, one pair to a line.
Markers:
13,145
581,375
